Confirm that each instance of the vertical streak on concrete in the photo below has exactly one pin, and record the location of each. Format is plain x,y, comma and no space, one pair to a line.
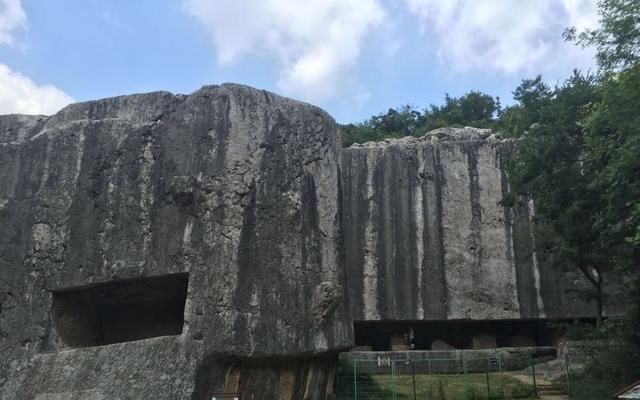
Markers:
441,250
353,208
385,244
520,227
186,235
45,167
527,293
370,269
146,198
497,268
433,283
402,225
501,159
475,228
455,222
418,204
534,260
80,155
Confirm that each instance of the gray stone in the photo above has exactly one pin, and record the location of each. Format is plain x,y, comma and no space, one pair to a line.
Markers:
283,237
427,235
237,187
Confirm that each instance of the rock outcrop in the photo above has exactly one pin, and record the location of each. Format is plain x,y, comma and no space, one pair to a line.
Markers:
236,187
428,237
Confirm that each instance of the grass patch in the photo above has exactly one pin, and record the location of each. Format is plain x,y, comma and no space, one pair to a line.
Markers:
443,387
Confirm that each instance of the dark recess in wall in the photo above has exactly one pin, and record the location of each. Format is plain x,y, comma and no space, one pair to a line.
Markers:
459,334
120,311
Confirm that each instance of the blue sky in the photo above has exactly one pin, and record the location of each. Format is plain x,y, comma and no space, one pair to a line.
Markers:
354,58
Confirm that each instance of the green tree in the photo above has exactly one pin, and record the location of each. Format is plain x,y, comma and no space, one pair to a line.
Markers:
532,96
549,167
397,122
617,40
472,109
578,156
612,141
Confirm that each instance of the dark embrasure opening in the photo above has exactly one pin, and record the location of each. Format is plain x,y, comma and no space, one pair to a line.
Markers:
120,311
457,334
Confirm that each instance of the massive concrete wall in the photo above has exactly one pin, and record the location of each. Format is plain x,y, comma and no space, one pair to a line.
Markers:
284,239
237,187
427,236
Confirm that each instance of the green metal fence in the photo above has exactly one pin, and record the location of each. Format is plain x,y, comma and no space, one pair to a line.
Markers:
436,377
590,371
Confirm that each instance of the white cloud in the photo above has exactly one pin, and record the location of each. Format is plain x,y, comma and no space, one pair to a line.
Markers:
317,42
18,93
21,95
12,17
505,35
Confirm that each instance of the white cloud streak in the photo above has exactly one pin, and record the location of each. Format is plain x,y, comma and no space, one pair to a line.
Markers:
12,17
316,42
20,95
504,35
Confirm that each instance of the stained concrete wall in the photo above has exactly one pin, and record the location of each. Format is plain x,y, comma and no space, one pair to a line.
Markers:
427,236
285,238
237,187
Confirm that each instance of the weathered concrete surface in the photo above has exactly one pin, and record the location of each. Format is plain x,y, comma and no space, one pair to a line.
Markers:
427,237
285,240
237,187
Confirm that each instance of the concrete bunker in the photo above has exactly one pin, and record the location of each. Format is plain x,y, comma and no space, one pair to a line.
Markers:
455,334
120,311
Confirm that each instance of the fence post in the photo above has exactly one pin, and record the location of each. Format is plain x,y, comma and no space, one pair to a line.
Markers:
413,374
501,380
488,384
533,374
393,379
466,378
568,370
355,380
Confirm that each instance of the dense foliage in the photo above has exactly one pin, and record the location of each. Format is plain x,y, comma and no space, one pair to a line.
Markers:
473,109
617,40
549,166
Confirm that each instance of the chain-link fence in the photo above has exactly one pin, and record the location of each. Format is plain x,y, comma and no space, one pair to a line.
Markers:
437,376
577,371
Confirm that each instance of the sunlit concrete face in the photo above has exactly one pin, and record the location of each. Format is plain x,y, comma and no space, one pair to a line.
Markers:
429,237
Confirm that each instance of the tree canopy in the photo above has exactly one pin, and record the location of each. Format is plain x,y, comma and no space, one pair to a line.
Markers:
617,39
472,109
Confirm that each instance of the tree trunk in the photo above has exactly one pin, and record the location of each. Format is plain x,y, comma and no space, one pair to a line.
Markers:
596,280
599,303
